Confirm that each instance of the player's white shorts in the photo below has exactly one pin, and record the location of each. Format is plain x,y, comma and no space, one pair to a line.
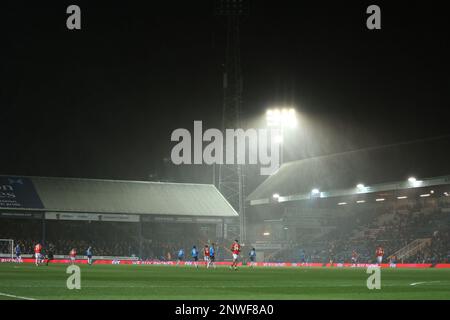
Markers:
379,259
235,256
72,258
38,256
206,258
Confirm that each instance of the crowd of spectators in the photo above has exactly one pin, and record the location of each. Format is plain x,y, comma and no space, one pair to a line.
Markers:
150,249
106,239
390,230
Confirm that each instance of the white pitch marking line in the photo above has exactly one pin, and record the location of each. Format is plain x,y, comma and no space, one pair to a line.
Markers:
416,283
16,297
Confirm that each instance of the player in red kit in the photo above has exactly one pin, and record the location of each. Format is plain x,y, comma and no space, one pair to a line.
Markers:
37,253
73,255
379,253
354,257
206,255
236,250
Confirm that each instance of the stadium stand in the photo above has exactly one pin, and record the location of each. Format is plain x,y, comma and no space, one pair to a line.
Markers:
409,218
151,220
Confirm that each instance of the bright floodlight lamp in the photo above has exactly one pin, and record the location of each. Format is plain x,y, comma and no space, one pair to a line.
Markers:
315,191
266,234
279,138
360,186
412,180
276,196
281,118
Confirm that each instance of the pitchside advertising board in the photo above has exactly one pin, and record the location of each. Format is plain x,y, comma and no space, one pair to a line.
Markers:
18,192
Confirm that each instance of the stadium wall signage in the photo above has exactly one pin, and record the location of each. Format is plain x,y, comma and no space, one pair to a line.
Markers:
18,192
92,217
21,215
259,151
257,264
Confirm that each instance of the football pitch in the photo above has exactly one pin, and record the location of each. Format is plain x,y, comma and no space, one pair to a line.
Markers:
26,281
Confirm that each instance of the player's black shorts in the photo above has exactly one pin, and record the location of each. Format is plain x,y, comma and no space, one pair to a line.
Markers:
252,259
212,258
195,258
90,257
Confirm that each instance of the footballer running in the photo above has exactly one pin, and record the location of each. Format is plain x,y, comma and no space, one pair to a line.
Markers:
379,253
18,254
235,249
212,256
89,255
252,255
206,255
73,255
194,254
37,253
180,256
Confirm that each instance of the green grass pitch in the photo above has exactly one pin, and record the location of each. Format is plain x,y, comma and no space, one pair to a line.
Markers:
187,282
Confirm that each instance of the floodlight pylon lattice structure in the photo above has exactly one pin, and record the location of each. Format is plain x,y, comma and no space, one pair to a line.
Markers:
231,177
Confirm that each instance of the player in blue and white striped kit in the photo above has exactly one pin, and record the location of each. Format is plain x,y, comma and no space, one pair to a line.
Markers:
252,255
180,256
18,254
89,255
194,254
212,256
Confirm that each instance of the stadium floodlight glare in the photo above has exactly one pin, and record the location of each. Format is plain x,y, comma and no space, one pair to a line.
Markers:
342,203
266,234
279,138
281,118
361,201
414,182
402,197
425,195
380,199
285,228
315,191
360,187
446,194
276,197
432,191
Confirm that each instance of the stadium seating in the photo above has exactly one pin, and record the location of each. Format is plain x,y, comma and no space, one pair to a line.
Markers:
392,230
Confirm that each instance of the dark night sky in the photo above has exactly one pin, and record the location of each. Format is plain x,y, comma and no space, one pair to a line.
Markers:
102,102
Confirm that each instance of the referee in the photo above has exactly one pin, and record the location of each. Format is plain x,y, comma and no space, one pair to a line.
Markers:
49,256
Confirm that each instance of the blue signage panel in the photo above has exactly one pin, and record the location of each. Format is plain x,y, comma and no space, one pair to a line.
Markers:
18,192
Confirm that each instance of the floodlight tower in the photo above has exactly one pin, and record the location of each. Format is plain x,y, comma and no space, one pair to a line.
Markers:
231,177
